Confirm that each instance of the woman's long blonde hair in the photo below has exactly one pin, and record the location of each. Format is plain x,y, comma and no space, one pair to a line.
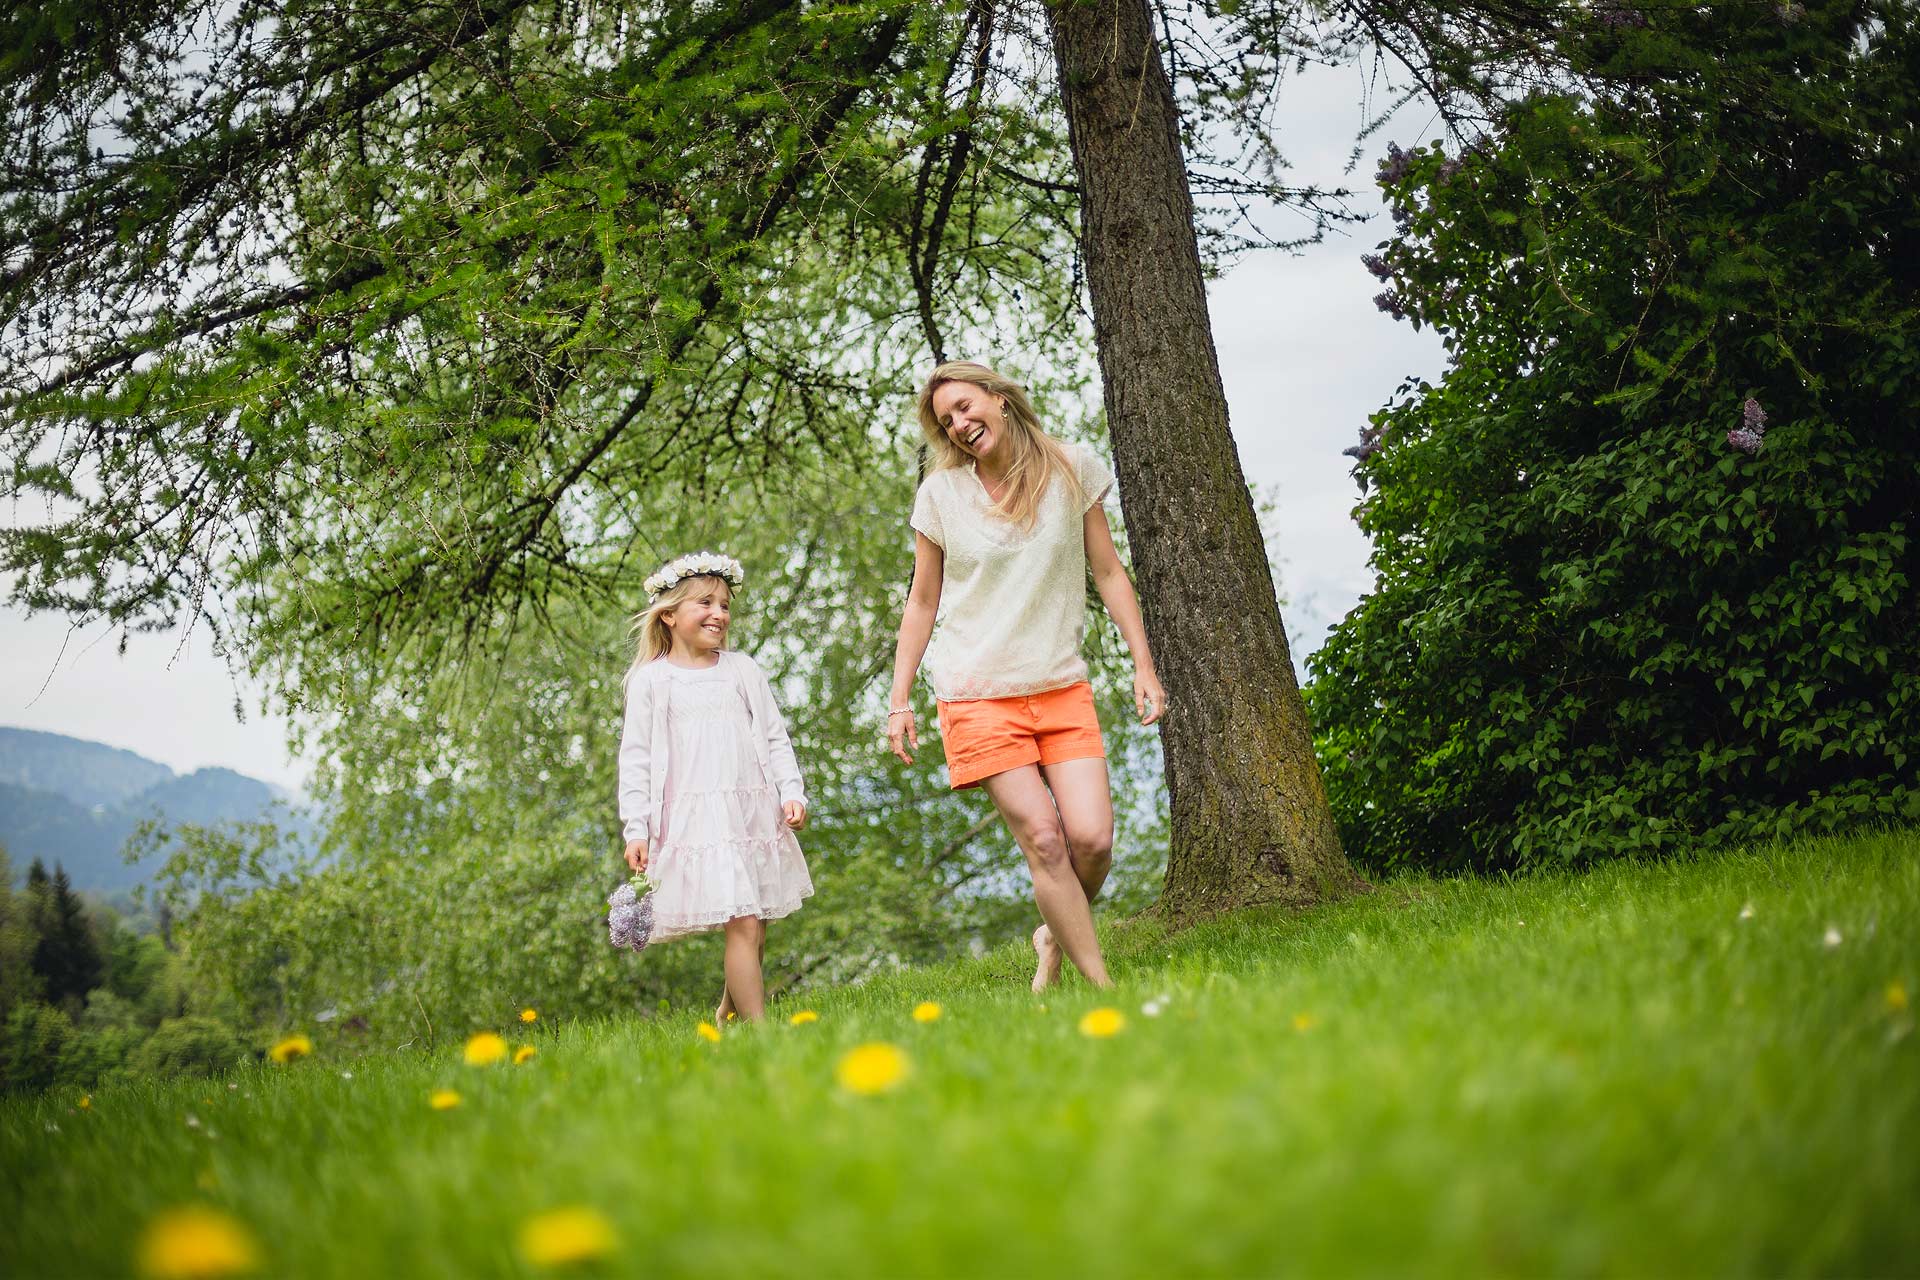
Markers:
649,627
1036,457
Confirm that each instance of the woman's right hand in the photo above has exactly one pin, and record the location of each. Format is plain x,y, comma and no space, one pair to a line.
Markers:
637,855
902,732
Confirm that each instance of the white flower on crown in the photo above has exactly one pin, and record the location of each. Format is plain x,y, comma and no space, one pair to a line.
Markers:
701,564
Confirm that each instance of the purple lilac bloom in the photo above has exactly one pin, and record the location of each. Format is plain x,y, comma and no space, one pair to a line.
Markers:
1395,166
1753,416
1615,15
1450,168
1790,14
1747,442
1368,446
629,918
1376,266
1389,301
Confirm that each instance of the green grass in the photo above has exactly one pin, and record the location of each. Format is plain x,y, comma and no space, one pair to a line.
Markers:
1607,1073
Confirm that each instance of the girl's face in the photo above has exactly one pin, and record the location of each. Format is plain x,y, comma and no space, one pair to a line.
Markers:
972,417
699,623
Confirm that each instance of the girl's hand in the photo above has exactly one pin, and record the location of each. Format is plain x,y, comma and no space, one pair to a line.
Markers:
902,732
795,813
1149,699
637,855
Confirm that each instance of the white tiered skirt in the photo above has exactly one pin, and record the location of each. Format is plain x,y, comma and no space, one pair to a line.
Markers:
725,850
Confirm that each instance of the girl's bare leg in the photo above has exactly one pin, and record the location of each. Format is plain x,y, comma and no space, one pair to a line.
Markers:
746,989
725,1009
1028,809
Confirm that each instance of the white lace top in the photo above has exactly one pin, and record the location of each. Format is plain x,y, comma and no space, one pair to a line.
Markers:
1013,602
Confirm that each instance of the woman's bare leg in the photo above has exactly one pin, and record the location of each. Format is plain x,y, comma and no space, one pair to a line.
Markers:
746,990
1085,805
1028,809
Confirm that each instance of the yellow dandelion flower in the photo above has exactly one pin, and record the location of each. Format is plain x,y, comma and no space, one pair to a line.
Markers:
1102,1022
485,1049
927,1011
1896,999
86,1102
529,1015
562,1236
872,1068
524,1052
707,1031
293,1046
194,1241
802,1018
443,1099
1305,1022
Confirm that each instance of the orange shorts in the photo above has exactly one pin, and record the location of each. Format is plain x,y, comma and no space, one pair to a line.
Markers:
985,736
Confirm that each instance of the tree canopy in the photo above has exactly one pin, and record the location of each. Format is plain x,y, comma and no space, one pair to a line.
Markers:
1646,554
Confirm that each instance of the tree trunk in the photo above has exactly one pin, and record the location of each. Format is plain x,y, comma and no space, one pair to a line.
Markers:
1250,816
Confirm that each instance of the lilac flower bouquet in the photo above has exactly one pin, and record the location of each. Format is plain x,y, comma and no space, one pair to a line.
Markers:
630,913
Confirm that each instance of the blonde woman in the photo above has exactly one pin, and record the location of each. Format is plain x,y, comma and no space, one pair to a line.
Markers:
710,792
1006,525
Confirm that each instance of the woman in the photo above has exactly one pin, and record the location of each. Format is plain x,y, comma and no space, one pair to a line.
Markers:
1006,524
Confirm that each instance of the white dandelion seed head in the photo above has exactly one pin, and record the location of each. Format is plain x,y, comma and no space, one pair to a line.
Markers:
1746,912
1831,938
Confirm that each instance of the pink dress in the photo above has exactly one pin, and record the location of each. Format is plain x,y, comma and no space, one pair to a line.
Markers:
723,849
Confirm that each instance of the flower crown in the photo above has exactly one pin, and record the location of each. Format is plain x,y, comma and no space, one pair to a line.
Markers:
701,564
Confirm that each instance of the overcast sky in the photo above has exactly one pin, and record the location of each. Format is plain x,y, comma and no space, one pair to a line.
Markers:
1304,353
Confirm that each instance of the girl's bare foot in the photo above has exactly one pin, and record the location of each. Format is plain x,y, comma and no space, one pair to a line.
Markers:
724,1009
1046,953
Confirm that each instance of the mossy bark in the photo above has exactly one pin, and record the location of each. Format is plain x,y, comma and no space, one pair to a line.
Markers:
1250,817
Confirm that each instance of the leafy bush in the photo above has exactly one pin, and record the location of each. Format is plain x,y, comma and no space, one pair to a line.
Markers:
190,1046
31,1043
1646,555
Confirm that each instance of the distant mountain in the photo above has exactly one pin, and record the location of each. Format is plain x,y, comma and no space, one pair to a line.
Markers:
74,802
87,773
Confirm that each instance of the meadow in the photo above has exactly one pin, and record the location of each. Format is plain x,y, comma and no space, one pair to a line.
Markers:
1700,1066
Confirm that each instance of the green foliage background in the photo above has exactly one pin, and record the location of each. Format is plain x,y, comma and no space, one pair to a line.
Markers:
1600,629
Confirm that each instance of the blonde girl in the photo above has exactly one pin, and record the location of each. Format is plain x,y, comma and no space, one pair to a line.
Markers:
710,792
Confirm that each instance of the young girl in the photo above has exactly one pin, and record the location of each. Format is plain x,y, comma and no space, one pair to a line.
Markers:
710,794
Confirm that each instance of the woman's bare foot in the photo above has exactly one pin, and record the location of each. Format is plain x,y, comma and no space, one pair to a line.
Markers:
1046,953
724,1009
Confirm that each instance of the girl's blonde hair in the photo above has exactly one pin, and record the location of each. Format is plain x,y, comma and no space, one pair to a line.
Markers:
650,626
1035,457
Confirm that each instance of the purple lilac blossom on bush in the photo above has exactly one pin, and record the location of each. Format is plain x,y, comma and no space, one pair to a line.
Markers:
1752,431
1368,446
1615,15
1395,166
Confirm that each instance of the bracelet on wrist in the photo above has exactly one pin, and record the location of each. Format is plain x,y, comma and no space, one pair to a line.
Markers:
899,711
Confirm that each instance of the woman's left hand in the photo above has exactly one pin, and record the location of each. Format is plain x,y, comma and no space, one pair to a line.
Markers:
795,814
1149,699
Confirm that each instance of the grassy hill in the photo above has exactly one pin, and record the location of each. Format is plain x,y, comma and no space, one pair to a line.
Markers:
1704,1066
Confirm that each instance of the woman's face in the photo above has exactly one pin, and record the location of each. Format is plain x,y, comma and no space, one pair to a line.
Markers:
973,418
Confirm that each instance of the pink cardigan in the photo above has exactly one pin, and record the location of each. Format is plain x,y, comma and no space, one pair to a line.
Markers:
643,740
